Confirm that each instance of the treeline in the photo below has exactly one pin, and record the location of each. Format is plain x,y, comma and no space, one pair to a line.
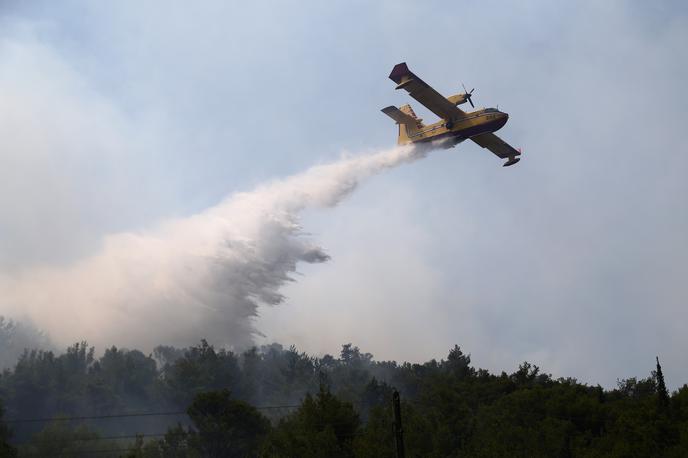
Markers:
272,401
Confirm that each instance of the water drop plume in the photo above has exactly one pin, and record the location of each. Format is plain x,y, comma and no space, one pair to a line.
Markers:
204,276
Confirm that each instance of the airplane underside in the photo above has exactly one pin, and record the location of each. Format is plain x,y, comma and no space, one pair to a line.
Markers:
460,135
449,139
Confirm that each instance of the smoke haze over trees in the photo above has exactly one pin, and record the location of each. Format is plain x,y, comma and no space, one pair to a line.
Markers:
276,401
15,337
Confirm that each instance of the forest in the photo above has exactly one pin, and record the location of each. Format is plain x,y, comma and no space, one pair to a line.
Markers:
274,401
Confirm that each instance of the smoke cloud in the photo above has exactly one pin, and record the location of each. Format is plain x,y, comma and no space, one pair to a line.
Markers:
16,337
204,276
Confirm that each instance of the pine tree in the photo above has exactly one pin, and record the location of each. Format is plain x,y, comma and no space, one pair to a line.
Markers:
662,393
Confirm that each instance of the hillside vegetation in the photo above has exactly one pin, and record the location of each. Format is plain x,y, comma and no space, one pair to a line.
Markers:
274,401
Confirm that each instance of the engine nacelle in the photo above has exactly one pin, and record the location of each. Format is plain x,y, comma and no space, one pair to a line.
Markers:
458,99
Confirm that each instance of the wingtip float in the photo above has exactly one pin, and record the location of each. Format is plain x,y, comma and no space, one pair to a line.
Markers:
455,124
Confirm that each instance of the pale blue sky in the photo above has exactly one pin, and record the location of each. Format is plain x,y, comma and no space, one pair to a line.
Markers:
126,113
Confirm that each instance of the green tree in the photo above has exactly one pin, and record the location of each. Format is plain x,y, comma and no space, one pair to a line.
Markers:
201,369
59,439
176,444
662,393
322,426
225,427
6,450
458,363
666,433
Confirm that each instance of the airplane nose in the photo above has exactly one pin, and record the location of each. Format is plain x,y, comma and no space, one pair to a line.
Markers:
501,120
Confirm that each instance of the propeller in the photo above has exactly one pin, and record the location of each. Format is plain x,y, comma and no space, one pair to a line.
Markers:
468,94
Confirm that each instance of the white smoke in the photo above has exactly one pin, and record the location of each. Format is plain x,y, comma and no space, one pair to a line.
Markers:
16,337
204,276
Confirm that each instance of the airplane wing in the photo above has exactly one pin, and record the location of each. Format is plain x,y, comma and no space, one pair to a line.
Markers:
424,93
496,145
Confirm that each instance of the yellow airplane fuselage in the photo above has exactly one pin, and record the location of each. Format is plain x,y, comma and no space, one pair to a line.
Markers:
474,123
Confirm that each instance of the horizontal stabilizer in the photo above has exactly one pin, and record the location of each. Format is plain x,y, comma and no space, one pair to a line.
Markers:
399,116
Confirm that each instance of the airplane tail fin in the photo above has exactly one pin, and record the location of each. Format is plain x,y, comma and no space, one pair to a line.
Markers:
408,122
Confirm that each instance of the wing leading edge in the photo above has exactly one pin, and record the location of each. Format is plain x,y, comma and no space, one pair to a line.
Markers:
424,93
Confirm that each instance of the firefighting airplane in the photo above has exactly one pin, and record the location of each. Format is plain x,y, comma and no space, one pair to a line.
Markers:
456,125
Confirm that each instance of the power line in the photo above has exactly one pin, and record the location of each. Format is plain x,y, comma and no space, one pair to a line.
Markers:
133,414
39,442
93,417
88,439
288,406
113,450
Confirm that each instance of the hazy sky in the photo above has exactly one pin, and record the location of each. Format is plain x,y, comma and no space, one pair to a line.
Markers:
117,116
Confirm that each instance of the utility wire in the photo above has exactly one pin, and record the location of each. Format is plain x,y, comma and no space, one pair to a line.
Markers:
95,438
113,450
93,417
135,414
136,436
